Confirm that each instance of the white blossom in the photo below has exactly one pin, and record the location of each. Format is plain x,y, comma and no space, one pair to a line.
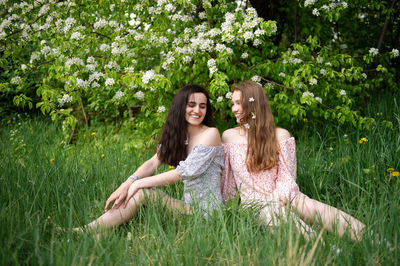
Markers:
244,55
23,66
342,92
247,126
220,47
251,99
281,74
119,94
309,2
228,95
140,95
256,78
256,42
212,66
322,71
248,35
306,94
77,36
374,51
315,12
16,80
148,76
318,99
161,109
313,81
395,52
65,99
364,75
109,82
219,99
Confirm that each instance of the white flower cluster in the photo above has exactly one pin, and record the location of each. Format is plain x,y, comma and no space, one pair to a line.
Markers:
161,109
140,95
374,51
77,36
80,83
315,12
148,76
342,92
119,94
395,52
310,94
212,67
256,79
74,61
16,80
309,2
307,94
109,82
228,95
313,81
112,64
65,99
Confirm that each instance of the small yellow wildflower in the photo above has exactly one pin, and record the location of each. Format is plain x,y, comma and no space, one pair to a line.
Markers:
52,160
93,133
390,170
102,155
331,163
395,173
345,160
378,114
171,166
9,121
363,140
140,155
305,120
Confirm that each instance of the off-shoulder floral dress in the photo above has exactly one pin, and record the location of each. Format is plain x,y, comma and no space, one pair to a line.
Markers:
263,188
201,172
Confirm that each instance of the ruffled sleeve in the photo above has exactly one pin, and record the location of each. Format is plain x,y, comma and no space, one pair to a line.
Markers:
228,184
286,185
199,160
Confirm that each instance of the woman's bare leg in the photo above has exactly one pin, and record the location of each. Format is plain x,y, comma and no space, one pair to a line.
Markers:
114,217
311,210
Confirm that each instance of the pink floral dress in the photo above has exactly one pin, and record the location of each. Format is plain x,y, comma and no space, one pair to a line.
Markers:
263,188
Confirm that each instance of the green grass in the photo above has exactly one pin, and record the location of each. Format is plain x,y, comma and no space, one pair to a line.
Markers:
73,188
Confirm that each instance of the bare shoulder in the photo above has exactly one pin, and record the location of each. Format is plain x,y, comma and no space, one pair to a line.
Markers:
210,137
230,135
282,134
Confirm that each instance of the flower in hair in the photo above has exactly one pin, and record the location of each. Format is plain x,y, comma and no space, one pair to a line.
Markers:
251,99
253,115
247,126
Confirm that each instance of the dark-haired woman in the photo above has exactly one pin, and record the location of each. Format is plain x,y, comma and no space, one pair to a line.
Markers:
187,142
260,165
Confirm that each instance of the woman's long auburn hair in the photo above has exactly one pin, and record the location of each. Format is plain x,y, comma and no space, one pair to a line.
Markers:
262,144
171,148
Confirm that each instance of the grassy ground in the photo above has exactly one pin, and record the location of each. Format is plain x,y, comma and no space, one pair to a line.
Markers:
41,178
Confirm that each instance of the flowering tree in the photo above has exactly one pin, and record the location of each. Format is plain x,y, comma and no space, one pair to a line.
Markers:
90,60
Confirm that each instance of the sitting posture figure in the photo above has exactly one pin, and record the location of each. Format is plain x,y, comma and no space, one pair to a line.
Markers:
260,165
188,143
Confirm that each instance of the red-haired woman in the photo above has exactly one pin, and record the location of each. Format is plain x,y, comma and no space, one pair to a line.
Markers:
260,165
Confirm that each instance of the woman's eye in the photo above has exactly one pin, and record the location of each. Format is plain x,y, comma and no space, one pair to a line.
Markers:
191,104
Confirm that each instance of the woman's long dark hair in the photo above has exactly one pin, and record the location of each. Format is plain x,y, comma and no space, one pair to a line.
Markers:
172,149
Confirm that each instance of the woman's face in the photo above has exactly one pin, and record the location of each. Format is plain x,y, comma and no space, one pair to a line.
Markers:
196,108
237,109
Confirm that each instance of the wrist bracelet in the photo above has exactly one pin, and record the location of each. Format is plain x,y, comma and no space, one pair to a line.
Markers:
133,177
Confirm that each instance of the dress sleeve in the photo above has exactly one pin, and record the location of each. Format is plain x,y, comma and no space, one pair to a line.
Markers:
286,185
199,160
228,184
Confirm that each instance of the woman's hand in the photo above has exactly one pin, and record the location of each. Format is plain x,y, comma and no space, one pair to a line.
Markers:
131,192
118,196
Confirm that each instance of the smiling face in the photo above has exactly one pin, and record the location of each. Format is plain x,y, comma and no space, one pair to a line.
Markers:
196,108
237,108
